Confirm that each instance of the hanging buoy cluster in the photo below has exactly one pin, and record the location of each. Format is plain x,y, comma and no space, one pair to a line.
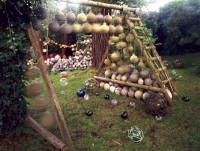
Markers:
39,102
87,23
34,90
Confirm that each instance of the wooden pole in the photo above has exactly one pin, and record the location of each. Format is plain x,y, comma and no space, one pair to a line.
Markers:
54,101
102,5
130,84
58,144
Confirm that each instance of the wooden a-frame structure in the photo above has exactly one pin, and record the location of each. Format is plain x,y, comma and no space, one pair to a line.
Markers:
150,55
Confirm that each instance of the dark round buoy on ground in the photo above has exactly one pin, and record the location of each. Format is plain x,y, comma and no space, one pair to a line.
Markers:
97,94
106,97
185,98
62,69
124,115
80,93
89,112
71,69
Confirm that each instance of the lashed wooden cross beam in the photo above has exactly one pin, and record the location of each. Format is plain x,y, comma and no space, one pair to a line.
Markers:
102,5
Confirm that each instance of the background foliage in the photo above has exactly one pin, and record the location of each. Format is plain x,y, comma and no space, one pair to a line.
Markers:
176,26
14,43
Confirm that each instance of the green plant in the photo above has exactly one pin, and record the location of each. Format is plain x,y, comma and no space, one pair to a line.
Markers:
14,45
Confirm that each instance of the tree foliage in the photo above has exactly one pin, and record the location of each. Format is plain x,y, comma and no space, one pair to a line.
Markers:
177,26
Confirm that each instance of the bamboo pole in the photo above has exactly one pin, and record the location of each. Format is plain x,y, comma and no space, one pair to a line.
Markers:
102,5
58,144
102,62
54,101
151,88
151,65
173,87
164,73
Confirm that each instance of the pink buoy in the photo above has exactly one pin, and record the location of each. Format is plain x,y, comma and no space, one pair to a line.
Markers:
63,74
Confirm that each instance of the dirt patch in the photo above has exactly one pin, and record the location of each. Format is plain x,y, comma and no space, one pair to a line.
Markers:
95,134
105,125
108,105
78,134
14,140
152,134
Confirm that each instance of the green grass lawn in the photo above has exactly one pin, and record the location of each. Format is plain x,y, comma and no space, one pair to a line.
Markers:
178,131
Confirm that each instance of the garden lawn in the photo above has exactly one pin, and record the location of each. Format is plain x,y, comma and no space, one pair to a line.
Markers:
106,131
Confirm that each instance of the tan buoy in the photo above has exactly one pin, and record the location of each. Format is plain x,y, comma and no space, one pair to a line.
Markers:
76,28
81,17
112,29
66,28
129,38
122,36
138,94
130,48
86,28
113,66
47,120
91,17
121,45
108,19
141,65
96,28
107,61
104,28
114,39
134,59
32,72
115,56
119,29
128,69
117,20
34,88
121,70
39,103
126,54
110,43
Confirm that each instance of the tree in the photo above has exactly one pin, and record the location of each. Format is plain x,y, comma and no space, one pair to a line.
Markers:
176,26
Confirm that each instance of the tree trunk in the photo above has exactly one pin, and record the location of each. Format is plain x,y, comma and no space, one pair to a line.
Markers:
99,44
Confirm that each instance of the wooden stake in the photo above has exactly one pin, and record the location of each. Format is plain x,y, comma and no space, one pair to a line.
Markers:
46,134
151,88
54,101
